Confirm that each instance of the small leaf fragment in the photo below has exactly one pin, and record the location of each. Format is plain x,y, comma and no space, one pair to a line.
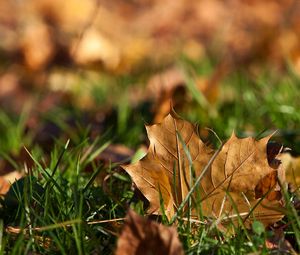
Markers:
141,236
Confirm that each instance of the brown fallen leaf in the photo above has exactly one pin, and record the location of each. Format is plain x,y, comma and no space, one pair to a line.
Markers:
141,236
240,174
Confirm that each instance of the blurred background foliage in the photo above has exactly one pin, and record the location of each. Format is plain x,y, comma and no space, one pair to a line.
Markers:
78,69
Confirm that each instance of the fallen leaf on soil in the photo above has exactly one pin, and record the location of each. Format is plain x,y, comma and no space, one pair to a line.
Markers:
7,180
237,180
292,166
37,46
169,89
141,236
95,48
279,244
168,86
116,153
4,186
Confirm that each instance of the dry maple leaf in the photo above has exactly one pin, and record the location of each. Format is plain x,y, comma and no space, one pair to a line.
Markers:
141,236
240,179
